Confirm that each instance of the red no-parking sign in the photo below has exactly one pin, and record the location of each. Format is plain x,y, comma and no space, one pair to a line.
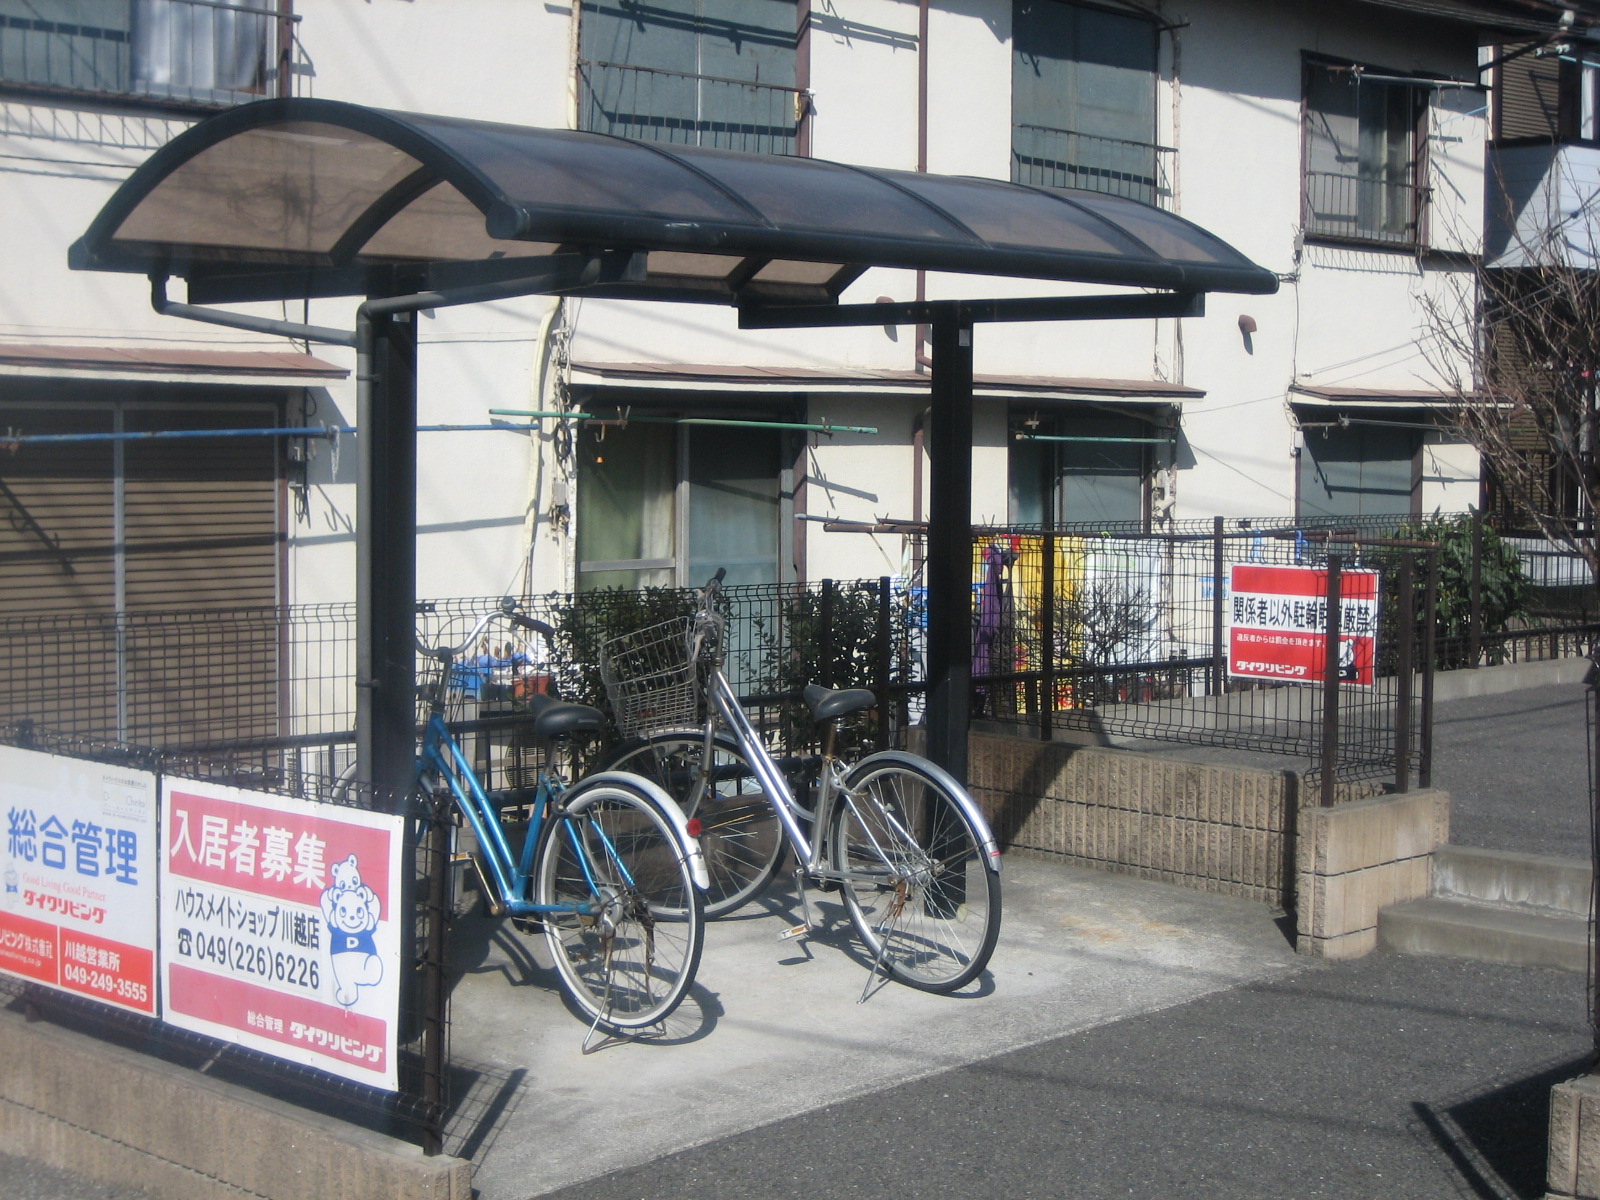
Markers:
1278,624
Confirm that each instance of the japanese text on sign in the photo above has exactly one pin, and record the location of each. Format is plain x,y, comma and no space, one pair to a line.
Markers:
1278,624
78,876
279,928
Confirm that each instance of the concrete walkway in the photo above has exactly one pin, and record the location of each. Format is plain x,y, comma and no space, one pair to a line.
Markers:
1134,1039
776,1028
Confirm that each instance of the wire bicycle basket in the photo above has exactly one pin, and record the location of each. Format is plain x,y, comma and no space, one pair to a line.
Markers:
652,676
433,684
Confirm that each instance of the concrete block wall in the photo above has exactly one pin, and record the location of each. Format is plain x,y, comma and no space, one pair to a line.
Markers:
1354,859
1240,831
117,1116
1573,1166
1212,827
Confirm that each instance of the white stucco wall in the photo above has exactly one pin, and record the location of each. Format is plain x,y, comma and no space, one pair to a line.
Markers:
1229,100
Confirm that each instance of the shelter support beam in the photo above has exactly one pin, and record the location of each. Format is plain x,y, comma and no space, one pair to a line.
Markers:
386,552
924,312
949,565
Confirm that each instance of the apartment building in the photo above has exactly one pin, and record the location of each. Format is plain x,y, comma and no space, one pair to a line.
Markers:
1339,144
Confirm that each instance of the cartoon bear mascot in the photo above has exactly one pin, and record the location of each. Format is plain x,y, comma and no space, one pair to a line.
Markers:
351,910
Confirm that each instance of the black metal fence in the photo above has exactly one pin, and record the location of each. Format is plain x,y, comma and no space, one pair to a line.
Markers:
1114,630
1121,631
1135,622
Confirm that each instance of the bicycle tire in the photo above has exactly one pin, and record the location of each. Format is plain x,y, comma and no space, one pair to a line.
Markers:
741,837
917,885
628,965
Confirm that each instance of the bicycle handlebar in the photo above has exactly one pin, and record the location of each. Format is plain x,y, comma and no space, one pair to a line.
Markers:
507,610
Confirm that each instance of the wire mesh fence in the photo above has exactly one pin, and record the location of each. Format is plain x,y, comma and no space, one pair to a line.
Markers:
1112,630
1129,636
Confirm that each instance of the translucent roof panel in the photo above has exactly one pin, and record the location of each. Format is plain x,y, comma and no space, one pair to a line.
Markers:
286,198
289,188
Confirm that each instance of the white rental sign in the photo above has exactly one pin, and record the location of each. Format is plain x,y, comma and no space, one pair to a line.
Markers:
78,877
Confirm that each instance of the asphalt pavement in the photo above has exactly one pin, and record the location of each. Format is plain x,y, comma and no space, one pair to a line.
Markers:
1134,1039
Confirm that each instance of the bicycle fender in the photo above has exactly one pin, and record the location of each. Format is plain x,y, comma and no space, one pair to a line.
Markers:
991,848
691,846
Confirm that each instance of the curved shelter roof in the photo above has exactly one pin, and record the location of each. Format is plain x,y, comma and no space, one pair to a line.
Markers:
299,197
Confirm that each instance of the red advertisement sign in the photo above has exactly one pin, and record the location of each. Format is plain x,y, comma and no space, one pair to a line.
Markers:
280,926
78,877
1278,624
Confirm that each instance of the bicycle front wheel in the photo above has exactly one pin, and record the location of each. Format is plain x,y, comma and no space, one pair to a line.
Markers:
915,877
741,838
611,864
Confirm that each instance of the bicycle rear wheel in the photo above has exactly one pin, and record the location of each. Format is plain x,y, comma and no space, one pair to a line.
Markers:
613,858
916,882
740,835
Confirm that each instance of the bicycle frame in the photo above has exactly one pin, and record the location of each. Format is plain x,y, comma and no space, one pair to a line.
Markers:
725,703
442,755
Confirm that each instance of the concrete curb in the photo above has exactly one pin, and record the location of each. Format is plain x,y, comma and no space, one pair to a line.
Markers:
114,1115
1512,677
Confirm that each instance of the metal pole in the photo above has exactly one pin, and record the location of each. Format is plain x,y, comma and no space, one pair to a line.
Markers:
435,948
1475,599
825,640
727,422
1592,715
1330,687
1218,597
950,541
1047,637
386,554
1430,649
1405,666
885,662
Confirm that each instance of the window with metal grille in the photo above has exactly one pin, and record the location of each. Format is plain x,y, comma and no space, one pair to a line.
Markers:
715,73
1363,174
1083,100
205,53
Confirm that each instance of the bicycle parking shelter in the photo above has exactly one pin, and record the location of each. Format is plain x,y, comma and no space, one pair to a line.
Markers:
299,199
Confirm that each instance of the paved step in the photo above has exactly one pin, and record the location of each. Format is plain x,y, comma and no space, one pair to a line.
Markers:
1540,881
1486,932
1522,909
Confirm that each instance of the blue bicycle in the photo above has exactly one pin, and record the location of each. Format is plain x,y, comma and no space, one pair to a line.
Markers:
608,866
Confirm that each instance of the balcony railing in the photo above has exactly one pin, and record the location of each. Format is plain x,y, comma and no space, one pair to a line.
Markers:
1364,209
173,53
1063,158
657,105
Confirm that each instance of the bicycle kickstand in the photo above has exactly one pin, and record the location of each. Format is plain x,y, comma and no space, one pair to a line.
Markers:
806,924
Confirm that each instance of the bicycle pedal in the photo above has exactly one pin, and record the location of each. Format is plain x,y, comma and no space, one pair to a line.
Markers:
797,932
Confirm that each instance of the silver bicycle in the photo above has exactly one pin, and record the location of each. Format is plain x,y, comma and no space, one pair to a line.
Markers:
901,840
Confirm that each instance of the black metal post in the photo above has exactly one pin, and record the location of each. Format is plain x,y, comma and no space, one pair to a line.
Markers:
950,542
1405,652
1330,687
1216,685
386,555
825,642
386,657
885,657
1430,649
1591,710
1475,598
434,939
1047,637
